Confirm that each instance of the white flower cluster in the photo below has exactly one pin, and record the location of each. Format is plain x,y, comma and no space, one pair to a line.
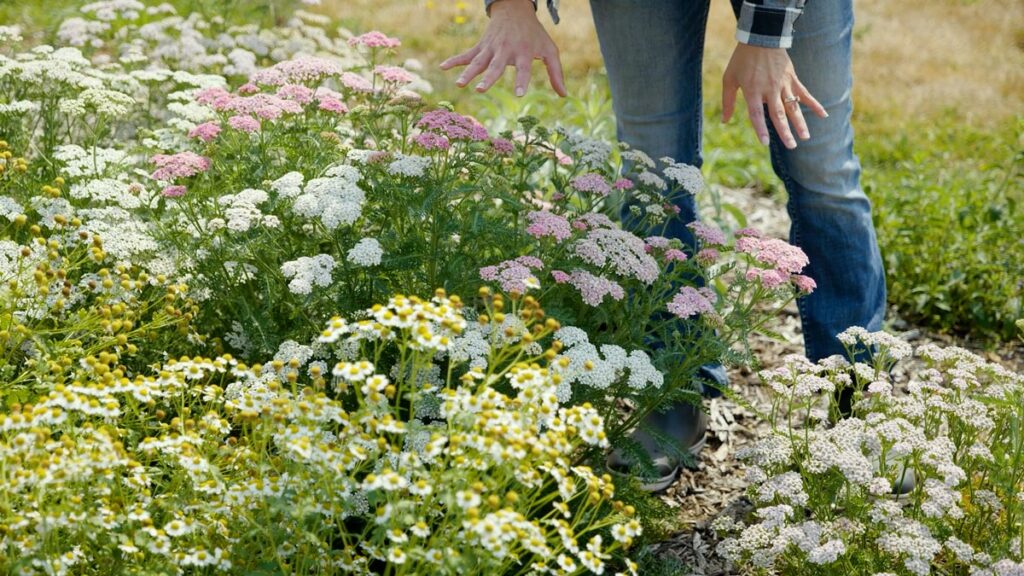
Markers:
939,440
307,272
687,176
591,152
336,199
242,211
599,368
96,162
367,252
409,166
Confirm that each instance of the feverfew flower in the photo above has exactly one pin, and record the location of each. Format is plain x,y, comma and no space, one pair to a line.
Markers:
307,272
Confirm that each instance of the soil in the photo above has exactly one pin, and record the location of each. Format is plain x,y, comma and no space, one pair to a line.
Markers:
717,487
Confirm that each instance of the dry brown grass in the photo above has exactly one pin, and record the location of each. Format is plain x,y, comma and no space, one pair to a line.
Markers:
913,58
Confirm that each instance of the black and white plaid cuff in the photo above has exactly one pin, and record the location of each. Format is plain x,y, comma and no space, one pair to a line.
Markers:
768,23
552,8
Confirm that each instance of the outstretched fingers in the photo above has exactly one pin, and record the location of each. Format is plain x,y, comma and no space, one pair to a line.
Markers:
755,109
780,119
553,63
479,63
461,59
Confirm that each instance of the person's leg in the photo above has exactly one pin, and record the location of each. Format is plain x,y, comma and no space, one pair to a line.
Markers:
653,51
830,212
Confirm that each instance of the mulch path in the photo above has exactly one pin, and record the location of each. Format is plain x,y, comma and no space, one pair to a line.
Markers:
717,486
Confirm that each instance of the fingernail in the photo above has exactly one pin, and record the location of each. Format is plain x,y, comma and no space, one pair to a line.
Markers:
461,81
805,135
826,113
764,140
520,91
480,86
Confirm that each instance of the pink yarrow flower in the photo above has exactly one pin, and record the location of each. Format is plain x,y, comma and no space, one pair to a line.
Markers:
675,255
591,182
180,165
502,146
546,224
244,123
394,74
374,39
174,191
707,256
303,70
593,288
355,82
296,92
623,184
206,131
514,275
431,141
331,104
707,234
452,125
690,301
805,284
774,252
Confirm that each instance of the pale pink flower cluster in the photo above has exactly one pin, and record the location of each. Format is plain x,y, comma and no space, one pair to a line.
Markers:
394,74
452,125
591,182
206,131
244,123
783,262
374,39
774,252
591,220
514,275
302,70
356,83
265,106
690,301
297,92
180,165
707,234
502,146
546,224
431,141
173,191
624,252
592,288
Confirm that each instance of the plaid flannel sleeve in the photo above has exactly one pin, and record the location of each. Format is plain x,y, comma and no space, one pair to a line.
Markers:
552,8
768,23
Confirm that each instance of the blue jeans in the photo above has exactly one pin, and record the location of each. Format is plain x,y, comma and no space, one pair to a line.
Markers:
653,51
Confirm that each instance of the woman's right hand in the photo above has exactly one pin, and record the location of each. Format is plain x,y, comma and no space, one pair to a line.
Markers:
514,37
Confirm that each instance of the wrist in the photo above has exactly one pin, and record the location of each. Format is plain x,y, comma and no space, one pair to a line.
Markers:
511,7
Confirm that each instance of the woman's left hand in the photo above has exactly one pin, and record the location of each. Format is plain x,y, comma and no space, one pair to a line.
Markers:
766,76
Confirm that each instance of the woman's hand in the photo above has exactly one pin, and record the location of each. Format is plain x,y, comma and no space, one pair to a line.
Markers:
514,37
766,76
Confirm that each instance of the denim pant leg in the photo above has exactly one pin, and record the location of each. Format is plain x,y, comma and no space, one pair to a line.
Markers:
831,214
653,51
